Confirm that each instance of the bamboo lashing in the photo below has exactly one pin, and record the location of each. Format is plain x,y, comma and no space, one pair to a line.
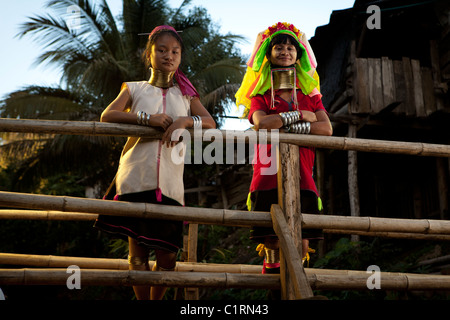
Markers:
219,216
126,130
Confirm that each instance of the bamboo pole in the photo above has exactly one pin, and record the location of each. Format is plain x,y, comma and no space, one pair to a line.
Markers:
392,235
319,279
140,210
78,216
46,215
132,278
49,261
125,130
220,216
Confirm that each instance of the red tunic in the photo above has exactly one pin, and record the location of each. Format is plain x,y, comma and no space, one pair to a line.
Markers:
307,154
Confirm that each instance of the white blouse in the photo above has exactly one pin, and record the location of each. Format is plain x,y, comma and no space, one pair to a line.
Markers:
147,164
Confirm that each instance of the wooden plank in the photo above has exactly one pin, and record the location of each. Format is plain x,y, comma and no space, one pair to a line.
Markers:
387,74
375,85
428,91
417,85
400,87
293,260
410,107
362,87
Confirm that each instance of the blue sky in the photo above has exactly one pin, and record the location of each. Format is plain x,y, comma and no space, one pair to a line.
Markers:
242,17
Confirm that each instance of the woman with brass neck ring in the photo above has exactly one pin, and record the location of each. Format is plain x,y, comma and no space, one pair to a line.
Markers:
283,96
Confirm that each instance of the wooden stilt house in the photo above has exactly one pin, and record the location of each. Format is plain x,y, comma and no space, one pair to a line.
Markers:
384,74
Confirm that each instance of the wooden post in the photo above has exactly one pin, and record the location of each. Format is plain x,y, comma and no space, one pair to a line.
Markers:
442,170
289,202
192,293
353,190
298,286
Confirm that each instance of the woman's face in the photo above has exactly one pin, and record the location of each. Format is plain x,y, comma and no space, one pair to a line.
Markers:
166,53
283,55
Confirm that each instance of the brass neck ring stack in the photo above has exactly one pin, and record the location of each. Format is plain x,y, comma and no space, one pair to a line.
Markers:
161,79
283,78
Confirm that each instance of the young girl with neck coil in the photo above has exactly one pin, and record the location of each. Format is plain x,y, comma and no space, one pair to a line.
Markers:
146,172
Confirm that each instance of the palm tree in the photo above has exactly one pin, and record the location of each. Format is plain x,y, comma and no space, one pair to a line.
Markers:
96,56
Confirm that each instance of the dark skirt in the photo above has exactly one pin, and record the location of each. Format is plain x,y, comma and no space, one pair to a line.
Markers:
263,200
152,233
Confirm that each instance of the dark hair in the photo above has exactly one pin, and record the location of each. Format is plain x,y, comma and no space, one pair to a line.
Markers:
283,38
152,40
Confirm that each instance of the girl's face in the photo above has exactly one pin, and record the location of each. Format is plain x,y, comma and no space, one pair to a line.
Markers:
166,54
283,54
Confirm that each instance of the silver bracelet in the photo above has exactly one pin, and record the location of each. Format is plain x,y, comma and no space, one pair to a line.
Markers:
299,128
139,117
290,117
143,118
197,121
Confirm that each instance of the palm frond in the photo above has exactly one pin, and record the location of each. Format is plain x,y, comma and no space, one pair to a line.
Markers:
37,102
53,33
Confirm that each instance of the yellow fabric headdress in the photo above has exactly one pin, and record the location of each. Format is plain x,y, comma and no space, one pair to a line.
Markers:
257,79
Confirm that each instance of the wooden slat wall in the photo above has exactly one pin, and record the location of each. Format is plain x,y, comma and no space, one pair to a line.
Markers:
382,82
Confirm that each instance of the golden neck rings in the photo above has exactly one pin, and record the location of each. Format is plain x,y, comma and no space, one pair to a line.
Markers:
161,79
283,78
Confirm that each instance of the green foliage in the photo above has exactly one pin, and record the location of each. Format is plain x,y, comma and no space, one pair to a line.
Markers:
390,255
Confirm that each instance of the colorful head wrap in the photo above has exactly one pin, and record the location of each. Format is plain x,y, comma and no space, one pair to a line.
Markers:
257,79
186,87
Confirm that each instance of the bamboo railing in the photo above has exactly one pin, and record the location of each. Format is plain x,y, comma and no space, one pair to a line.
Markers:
218,275
82,208
125,130
295,281
81,216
